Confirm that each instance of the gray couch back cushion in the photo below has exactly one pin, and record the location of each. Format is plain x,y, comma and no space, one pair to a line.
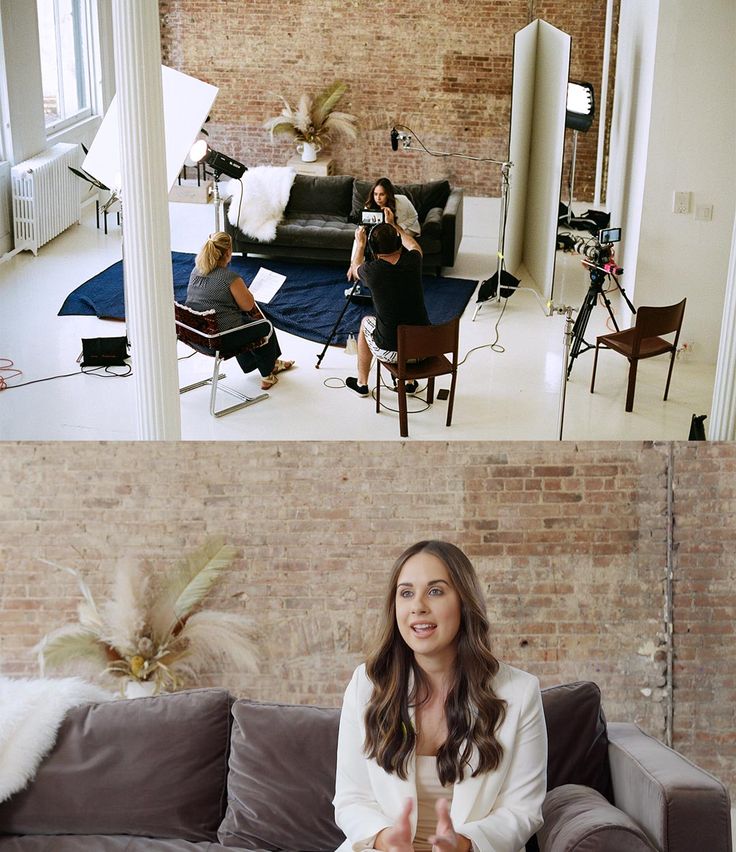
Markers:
282,778
578,819
153,767
320,194
576,729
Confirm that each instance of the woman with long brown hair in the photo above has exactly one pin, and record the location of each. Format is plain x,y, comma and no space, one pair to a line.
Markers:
441,746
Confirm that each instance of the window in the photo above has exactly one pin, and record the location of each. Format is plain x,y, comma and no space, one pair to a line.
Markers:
63,27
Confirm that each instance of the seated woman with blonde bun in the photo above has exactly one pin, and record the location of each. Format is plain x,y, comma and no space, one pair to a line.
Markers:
442,747
213,285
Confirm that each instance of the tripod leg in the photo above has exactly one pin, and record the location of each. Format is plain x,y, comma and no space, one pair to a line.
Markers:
335,326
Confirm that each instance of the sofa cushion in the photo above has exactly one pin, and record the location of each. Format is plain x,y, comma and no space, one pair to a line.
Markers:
425,196
103,843
578,819
153,767
282,778
330,194
576,733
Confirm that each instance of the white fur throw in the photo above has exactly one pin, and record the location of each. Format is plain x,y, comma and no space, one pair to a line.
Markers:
266,194
31,711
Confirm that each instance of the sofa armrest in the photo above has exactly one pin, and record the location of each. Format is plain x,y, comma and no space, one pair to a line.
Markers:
452,227
680,806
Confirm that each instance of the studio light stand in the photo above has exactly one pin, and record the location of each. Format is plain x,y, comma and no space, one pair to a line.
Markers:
580,110
221,164
400,133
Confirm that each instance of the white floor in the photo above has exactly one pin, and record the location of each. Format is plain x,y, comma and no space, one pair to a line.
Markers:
508,392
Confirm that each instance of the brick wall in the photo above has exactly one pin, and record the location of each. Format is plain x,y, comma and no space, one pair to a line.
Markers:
443,70
570,542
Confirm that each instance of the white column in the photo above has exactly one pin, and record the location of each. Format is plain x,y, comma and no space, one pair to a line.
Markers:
723,410
149,293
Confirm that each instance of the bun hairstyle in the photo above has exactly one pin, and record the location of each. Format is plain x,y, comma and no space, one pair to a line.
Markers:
473,711
212,252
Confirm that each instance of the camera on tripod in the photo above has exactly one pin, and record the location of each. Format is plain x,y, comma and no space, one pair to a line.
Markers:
600,251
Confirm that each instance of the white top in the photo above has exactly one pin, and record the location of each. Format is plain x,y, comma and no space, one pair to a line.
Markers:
498,810
407,216
429,790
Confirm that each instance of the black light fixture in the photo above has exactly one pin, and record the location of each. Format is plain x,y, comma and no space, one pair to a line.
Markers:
580,106
220,163
578,117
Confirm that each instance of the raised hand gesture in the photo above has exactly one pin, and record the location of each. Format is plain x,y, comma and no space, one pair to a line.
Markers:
398,837
445,839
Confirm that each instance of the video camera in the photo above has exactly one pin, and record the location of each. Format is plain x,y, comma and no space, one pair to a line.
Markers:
600,251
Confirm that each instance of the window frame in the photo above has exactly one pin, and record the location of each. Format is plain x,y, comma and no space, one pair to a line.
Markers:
88,50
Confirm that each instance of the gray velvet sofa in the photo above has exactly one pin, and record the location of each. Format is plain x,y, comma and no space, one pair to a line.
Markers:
199,771
320,220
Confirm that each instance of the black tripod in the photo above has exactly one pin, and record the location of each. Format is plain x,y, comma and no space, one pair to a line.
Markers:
348,298
597,276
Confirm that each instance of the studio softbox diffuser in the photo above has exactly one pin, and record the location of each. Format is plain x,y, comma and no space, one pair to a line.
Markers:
488,288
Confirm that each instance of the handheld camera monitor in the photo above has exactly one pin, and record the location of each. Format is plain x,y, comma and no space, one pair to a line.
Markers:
369,218
609,235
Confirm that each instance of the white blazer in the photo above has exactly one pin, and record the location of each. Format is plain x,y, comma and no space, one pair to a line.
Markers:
498,810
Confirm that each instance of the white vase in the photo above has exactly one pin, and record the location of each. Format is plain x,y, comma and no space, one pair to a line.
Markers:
139,688
309,151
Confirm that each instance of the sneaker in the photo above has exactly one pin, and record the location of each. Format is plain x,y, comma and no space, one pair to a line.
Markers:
411,387
352,383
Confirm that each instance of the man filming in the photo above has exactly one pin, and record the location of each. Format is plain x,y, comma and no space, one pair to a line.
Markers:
394,278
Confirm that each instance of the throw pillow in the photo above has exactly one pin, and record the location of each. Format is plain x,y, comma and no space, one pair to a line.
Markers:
329,195
425,196
282,778
576,733
578,819
153,767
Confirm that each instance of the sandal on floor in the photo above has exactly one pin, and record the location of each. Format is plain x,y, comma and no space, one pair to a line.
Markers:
268,381
280,366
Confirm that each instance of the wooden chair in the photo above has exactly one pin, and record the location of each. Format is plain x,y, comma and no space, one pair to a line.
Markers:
644,340
199,329
422,355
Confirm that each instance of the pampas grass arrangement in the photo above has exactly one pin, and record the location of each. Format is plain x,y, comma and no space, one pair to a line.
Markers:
153,628
315,120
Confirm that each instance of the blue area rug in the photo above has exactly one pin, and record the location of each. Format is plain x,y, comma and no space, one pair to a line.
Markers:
307,304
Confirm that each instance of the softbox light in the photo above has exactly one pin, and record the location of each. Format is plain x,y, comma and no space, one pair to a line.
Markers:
580,106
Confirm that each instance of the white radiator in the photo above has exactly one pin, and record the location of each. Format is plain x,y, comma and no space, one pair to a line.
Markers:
46,198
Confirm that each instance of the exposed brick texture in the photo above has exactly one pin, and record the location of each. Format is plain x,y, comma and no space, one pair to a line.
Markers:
570,542
444,70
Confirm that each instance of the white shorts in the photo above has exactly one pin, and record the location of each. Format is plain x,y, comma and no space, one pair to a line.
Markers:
369,326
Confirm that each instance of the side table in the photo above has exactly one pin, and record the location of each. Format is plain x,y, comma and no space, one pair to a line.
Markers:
323,165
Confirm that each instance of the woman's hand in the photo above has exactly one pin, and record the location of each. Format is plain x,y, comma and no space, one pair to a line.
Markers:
398,837
445,839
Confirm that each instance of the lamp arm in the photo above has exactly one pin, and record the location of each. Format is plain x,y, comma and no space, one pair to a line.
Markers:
505,163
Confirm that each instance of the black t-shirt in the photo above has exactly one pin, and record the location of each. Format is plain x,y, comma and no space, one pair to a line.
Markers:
398,295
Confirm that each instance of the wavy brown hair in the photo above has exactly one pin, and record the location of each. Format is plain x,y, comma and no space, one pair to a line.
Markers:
473,711
370,202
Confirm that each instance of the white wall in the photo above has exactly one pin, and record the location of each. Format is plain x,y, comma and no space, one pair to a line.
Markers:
691,147
630,131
